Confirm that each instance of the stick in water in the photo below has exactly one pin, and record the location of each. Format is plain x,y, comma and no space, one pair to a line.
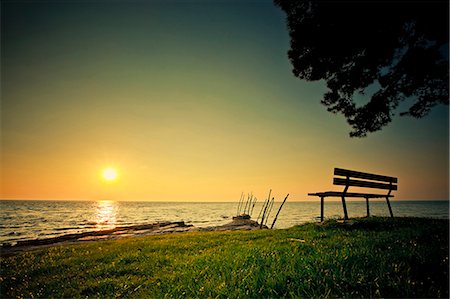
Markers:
246,202
262,208
239,204
264,213
253,206
265,209
276,216
269,210
250,203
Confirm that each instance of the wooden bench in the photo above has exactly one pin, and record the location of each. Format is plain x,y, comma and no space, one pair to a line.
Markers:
351,178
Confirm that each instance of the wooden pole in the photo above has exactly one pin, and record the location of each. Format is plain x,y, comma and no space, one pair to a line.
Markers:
262,208
389,206
246,202
260,212
367,207
253,206
249,200
344,206
276,216
269,210
388,203
264,213
250,203
321,208
239,205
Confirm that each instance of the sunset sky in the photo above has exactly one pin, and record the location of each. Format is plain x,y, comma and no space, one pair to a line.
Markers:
187,101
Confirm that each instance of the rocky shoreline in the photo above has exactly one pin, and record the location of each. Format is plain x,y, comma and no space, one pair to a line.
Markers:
126,231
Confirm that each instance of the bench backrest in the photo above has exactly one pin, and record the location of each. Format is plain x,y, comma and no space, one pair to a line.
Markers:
348,178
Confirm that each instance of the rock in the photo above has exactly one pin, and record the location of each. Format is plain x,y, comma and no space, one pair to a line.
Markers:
236,224
241,222
242,217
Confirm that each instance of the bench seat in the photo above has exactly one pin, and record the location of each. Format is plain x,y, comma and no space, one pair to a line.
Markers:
348,194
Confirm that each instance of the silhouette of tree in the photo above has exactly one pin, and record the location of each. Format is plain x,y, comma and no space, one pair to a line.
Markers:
387,51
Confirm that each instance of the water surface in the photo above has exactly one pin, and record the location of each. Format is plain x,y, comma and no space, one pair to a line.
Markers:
27,219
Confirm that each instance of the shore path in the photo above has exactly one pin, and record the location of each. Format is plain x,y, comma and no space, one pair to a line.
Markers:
125,231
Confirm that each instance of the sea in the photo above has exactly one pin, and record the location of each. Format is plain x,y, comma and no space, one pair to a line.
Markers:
40,219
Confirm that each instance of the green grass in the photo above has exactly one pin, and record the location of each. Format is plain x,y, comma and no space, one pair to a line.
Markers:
375,257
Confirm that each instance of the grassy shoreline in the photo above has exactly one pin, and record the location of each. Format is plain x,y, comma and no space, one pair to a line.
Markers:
373,257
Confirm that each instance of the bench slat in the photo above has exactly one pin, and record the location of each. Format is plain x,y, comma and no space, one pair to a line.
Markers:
364,175
349,194
365,184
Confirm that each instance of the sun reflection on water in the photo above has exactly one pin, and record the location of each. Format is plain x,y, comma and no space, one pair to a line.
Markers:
106,214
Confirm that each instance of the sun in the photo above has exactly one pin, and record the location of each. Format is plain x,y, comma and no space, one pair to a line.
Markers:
110,174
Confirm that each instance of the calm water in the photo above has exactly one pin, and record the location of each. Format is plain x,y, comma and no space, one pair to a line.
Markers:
24,220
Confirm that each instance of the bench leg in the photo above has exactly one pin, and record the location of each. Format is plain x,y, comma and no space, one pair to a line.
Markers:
321,209
345,208
367,206
389,206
